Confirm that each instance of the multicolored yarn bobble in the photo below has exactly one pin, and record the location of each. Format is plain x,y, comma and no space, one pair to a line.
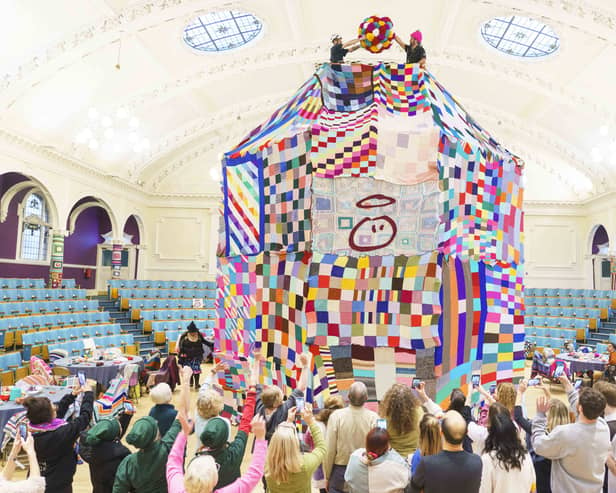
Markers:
376,33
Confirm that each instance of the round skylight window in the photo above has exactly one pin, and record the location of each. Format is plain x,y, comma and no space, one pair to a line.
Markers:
520,36
222,30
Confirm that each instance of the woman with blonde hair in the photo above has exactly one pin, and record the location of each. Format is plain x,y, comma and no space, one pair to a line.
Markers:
403,412
286,469
430,441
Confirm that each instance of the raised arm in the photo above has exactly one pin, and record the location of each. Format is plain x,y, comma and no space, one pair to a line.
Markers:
550,445
304,359
351,42
175,464
429,405
400,42
314,458
185,374
249,480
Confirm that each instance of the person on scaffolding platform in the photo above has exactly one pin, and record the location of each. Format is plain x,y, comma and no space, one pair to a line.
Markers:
339,50
415,52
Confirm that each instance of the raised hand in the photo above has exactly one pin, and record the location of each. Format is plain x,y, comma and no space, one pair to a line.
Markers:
187,424
257,426
304,360
28,445
543,404
307,415
291,414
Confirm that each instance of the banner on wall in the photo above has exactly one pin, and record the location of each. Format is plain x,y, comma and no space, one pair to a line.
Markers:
116,260
57,260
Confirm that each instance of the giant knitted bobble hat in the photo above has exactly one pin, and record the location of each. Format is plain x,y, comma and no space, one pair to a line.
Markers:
143,433
106,430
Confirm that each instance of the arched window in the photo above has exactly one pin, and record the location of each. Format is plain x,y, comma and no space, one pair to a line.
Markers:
35,227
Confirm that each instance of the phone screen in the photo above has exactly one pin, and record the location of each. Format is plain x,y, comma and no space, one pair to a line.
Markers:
578,384
82,378
559,370
533,382
23,431
416,383
492,388
299,404
381,423
475,379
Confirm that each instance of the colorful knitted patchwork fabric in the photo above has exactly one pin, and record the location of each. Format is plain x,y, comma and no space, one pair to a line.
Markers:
324,376
287,185
243,207
481,209
408,148
503,354
401,89
294,117
236,309
281,298
462,325
344,144
374,301
346,87
363,216
364,368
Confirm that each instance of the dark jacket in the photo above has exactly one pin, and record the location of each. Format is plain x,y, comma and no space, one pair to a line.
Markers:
105,458
144,471
55,450
165,415
279,415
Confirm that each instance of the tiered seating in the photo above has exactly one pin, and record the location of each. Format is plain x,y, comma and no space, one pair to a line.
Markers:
115,285
34,342
554,316
75,348
12,308
13,283
42,294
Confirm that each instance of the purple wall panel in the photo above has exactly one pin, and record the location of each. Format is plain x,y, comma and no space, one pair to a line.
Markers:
600,238
80,280
80,247
24,270
132,228
8,229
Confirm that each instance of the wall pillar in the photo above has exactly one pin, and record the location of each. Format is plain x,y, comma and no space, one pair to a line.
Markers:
116,259
56,265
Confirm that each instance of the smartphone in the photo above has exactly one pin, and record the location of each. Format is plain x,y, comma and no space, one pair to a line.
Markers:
560,368
492,388
299,404
381,423
416,383
82,378
577,384
533,382
475,380
23,431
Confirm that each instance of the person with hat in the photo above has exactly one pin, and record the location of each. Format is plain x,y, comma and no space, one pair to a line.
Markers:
215,436
100,447
144,470
190,349
339,50
415,52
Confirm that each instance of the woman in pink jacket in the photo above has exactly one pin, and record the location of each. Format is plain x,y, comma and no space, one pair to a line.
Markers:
202,474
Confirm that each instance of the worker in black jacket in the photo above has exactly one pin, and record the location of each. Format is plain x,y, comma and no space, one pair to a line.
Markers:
54,438
101,448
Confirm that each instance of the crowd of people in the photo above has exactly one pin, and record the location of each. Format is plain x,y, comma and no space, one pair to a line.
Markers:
410,445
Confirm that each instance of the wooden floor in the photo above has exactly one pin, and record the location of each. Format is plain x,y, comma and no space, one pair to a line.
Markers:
82,483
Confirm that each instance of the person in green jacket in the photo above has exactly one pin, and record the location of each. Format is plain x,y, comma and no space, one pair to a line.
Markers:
144,471
286,469
214,436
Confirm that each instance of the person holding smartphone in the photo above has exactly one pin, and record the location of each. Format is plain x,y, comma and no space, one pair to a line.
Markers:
403,412
35,483
54,438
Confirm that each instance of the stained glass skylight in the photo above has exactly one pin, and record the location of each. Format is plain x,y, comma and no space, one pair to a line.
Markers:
222,30
520,36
